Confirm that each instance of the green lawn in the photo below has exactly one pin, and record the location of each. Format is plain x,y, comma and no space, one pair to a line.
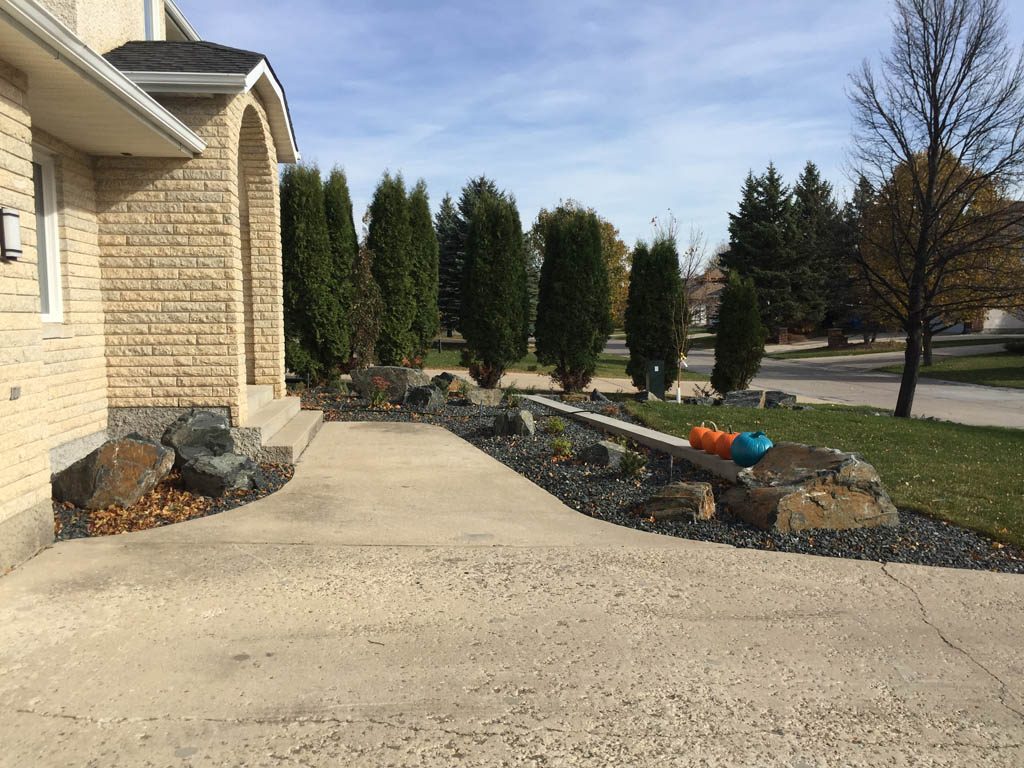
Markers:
877,347
971,476
608,365
1005,369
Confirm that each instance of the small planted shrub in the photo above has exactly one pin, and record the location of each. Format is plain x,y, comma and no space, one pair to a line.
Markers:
513,399
632,464
554,426
379,399
561,448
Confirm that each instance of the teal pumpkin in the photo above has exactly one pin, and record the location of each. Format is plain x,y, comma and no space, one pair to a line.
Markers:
750,447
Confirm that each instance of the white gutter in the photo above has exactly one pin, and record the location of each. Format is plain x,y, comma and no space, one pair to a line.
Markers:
216,82
180,21
64,45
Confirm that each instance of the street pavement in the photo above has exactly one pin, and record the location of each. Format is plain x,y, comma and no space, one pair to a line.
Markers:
408,601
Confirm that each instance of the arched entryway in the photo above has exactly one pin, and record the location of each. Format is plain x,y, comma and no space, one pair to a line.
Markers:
258,233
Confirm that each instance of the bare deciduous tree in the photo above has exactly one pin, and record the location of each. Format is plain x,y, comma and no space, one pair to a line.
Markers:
946,113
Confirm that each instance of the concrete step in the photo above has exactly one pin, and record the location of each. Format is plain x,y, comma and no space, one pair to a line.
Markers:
259,395
288,443
272,416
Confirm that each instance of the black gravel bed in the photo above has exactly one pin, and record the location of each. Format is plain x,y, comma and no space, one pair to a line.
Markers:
167,504
607,495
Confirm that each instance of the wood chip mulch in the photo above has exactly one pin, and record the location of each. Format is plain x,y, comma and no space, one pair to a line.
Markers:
166,504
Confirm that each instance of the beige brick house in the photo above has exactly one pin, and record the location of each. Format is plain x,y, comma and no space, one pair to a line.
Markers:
138,169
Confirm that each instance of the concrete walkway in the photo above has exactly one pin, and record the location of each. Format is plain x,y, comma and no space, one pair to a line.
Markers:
406,600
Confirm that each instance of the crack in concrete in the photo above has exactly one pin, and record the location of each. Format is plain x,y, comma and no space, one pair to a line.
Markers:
1004,689
511,728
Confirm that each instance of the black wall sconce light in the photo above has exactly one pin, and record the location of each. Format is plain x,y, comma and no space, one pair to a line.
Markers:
10,234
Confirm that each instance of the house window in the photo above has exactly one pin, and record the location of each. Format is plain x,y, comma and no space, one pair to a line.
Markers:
47,243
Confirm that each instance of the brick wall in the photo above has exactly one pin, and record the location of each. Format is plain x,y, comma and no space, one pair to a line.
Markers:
24,435
73,356
172,273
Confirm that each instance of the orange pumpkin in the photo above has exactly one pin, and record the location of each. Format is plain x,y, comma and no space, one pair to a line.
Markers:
709,443
697,435
724,445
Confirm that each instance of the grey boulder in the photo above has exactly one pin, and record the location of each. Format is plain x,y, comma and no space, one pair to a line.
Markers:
604,454
216,475
683,501
118,473
428,398
518,423
485,397
198,433
392,379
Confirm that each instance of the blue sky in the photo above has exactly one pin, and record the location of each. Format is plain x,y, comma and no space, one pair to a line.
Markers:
632,107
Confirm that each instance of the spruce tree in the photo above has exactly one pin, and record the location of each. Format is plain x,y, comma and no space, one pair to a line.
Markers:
450,253
316,337
390,238
739,344
654,310
341,231
816,273
424,268
761,246
573,309
495,303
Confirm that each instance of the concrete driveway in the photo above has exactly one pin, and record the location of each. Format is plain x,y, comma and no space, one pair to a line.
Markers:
408,601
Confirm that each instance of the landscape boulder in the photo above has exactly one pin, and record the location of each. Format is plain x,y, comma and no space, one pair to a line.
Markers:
759,398
216,475
443,381
486,397
428,398
682,501
799,487
597,396
518,423
604,454
198,433
647,397
119,472
393,379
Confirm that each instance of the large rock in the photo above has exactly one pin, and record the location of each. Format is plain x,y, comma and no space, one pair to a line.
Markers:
800,487
683,501
604,454
519,423
198,433
488,397
597,396
216,475
396,381
443,381
428,398
119,472
759,398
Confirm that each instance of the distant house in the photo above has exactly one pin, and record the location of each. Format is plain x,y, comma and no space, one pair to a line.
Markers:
704,296
139,171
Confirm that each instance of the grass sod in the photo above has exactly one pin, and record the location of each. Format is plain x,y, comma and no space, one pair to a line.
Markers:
879,347
609,366
1005,369
970,476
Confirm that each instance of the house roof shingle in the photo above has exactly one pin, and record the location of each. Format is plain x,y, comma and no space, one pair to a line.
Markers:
183,56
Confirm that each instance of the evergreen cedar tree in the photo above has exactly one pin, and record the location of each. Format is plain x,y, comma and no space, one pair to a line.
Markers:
424,258
389,237
573,309
739,345
344,243
316,339
495,303
450,252
452,228
366,310
654,310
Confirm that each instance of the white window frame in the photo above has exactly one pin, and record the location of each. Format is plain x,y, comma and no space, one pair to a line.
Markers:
53,287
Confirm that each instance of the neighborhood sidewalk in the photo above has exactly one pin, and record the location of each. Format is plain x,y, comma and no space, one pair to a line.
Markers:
407,600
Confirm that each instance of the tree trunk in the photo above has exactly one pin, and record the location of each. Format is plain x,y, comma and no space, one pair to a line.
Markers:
911,367
927,347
